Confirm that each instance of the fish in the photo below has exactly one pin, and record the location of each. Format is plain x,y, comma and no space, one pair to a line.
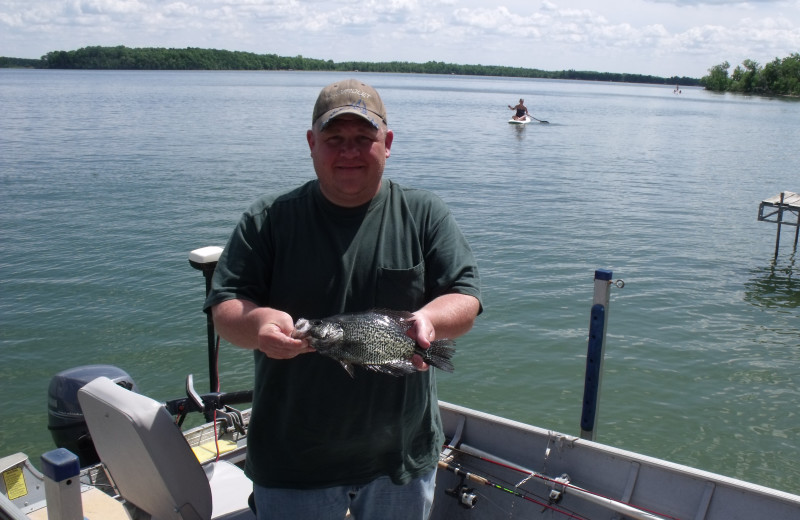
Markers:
375,340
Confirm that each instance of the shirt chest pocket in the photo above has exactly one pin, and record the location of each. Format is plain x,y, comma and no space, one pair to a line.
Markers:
401,289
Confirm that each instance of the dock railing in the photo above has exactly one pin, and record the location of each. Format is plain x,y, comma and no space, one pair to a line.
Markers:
778,209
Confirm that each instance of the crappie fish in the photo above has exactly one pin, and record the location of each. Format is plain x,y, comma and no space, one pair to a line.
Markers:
376,340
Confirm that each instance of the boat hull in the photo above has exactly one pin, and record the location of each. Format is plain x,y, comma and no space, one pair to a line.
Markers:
602,480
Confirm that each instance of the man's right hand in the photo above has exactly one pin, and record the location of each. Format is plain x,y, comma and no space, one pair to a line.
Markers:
246,325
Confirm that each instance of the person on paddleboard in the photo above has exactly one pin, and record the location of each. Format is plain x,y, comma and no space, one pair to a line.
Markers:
521,109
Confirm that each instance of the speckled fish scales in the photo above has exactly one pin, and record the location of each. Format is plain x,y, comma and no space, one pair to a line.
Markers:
376,340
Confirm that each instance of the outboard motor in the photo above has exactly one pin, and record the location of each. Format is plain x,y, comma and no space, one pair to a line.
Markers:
64,415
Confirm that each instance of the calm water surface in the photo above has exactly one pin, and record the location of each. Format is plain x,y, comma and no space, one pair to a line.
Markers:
109,179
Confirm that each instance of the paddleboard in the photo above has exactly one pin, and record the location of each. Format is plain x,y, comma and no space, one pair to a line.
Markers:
520,121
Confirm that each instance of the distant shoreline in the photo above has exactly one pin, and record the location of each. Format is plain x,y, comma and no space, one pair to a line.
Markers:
125,58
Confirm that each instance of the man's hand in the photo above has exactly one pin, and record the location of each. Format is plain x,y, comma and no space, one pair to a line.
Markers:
275,338
249,326
449,315
423,333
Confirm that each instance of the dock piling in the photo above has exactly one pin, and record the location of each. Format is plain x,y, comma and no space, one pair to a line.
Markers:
783,205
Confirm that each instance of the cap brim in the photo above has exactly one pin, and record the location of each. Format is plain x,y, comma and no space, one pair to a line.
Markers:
330,115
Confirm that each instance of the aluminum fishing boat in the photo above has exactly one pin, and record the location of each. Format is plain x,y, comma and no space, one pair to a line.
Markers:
122,455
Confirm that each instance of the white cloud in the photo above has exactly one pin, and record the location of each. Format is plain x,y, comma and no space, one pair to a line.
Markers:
714,2
109,6
637,36
180,9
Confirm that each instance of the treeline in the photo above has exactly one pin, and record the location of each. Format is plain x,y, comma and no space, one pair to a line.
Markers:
211,59
436,67
124,58
780,77
19,63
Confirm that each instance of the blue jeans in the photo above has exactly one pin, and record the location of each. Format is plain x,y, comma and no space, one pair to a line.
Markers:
379,499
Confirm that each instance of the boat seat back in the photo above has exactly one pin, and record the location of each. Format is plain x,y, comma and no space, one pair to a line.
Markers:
150,461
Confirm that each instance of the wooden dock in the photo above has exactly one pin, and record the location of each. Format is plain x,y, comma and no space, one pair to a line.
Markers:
779,209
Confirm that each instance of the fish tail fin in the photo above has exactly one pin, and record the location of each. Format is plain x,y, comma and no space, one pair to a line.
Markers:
440,353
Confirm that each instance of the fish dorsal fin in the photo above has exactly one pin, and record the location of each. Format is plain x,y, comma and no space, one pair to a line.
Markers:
400,317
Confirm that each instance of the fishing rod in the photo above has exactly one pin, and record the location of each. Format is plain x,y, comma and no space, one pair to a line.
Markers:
560,486
468,499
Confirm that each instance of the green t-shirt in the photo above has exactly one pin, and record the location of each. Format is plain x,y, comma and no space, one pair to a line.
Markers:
312,424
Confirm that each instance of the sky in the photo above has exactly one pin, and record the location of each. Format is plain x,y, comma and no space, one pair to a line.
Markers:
655,37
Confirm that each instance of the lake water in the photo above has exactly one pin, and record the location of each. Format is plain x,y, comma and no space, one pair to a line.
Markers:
109,179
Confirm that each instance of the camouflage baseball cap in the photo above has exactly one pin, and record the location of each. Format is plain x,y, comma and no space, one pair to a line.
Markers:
349,97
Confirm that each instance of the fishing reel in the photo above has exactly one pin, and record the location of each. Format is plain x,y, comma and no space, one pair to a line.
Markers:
465,495
559,486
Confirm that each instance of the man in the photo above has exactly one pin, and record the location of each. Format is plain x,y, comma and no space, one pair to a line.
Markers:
522,111
320,441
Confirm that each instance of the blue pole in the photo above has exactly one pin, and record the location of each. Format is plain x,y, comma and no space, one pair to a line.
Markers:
595,353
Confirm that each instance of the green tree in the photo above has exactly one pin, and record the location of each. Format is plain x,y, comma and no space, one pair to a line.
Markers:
783,76
717,79
779,77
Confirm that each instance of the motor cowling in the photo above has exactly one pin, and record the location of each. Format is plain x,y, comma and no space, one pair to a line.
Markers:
64,415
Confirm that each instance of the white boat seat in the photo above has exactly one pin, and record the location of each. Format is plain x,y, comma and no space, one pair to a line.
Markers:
151,463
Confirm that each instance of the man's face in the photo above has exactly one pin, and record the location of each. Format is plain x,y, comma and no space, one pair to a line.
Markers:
349,155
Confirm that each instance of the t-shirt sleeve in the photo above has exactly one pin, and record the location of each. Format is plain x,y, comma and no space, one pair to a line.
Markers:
449,261
244,265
